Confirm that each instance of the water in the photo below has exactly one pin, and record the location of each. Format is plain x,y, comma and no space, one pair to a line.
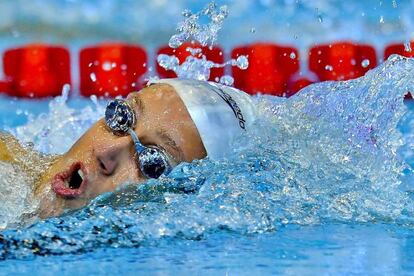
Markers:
322,184
327,249
193,29
309,187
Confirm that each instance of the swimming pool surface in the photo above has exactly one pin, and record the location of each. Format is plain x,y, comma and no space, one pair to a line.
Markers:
324,185
293,250
206,232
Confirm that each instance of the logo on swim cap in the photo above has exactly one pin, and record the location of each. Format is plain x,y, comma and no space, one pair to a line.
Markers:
233,105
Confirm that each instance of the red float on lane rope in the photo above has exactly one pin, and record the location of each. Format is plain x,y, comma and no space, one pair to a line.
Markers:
111,69
36,70
399,49
270,67
341,60
214,54
296,84
5,87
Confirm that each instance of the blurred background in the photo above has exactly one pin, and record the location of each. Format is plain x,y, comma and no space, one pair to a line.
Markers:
361,31
151,23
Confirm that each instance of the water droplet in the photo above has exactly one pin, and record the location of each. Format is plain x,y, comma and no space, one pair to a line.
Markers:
292,55
92,77
320,18
94,99
381,19
187,13
253,30
394,4
106,66
329,68
194,51
242,62
167,62
177,39
365,63
407,47
227,80
65,91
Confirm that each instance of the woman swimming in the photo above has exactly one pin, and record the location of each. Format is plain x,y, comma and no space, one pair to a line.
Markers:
145,136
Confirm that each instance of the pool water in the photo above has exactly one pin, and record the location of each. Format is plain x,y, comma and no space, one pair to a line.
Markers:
322,184
333,200
374,249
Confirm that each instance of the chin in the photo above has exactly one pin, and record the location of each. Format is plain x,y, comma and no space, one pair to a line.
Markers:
63,188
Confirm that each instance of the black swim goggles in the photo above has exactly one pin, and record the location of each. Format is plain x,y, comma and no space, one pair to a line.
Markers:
120,119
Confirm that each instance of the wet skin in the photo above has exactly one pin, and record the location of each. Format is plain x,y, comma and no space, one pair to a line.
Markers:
108,161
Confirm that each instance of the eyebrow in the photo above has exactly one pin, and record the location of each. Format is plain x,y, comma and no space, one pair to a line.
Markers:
166,138
139,106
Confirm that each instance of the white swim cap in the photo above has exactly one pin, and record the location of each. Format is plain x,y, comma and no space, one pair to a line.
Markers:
220,113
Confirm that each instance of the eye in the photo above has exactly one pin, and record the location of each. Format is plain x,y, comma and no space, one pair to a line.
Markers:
119,116
153,162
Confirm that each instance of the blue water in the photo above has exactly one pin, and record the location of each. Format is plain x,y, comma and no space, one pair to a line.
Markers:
322,185
374,249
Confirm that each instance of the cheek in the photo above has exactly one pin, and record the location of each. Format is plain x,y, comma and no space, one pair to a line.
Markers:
127,173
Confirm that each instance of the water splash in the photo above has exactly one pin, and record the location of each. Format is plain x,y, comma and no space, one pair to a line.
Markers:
49,131
407,47
326,154
191,68
17,205
192,28
197,66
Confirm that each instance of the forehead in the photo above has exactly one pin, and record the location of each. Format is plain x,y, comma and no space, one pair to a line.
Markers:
160,102
163,94
161,110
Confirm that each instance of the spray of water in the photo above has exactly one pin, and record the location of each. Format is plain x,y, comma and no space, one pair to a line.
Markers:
49,131
192,28
197,66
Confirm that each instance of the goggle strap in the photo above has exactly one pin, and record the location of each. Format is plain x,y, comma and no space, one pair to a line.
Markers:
138,146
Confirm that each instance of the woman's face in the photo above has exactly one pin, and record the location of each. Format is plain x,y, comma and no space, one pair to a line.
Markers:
105,160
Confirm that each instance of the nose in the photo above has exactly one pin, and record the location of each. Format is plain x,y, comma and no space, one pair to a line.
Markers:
111,153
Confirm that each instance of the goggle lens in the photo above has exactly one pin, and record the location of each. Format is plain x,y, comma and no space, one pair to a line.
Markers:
153,163
120,118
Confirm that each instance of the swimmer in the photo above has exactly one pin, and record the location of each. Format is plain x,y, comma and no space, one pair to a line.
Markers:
145,136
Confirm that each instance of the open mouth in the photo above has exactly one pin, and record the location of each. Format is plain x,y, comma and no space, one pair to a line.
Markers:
72,183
